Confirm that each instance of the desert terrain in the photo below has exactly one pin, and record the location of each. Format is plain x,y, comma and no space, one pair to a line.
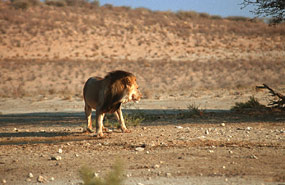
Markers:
192,68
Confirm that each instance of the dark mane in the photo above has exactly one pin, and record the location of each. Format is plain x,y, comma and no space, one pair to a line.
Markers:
112,100
116,75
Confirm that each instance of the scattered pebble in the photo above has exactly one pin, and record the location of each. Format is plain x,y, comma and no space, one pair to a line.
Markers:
248,128
52,178
60,151
223,124
206,132
211,151
139,149
224,167
178,127
30,175
4,181
231,152
56,158
140,183
168,174
156,166
41,179
253,157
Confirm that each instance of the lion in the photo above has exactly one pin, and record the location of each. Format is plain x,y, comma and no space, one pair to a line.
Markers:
107,95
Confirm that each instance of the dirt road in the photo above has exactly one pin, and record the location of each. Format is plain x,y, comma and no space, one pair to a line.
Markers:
166,148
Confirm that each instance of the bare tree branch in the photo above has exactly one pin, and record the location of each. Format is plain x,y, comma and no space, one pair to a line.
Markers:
280,103
272,8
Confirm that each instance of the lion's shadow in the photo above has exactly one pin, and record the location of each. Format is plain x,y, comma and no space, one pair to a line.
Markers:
35,134
148,117
50,127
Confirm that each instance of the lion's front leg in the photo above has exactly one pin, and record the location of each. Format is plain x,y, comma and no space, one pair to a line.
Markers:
120,118
99,123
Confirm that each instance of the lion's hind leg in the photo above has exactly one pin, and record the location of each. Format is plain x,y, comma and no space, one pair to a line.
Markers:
88,114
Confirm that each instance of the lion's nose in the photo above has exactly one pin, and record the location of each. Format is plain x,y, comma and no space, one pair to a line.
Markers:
135,97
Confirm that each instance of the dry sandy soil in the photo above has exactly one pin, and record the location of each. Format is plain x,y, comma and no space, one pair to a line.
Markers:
180,59
165,149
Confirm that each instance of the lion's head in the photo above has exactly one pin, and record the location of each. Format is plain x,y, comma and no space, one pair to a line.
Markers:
123,88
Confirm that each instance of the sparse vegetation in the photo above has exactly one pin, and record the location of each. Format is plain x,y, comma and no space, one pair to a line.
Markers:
193,111
24,4
212,53
134,119
114,177
251,104
58,3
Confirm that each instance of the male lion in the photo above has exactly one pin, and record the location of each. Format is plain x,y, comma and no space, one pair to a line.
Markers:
106,95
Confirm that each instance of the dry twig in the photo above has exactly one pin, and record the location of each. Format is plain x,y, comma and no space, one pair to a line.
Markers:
279,103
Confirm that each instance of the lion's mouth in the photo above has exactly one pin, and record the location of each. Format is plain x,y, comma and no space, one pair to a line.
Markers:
135,98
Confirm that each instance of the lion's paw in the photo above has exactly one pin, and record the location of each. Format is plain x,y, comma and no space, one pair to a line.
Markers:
99,135
90,130
126,130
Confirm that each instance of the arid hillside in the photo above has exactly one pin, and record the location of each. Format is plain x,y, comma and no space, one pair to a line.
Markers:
50,49
70,32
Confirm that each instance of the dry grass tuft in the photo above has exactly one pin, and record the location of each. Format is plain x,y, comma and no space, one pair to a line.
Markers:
114,177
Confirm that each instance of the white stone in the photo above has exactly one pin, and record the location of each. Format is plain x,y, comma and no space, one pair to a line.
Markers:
60,151
41,179
178,127
168,174
30,175
156,166
139,149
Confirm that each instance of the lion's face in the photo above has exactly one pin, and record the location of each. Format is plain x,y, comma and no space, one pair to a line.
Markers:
133,89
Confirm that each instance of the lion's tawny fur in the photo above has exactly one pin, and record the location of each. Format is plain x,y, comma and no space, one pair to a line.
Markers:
106,96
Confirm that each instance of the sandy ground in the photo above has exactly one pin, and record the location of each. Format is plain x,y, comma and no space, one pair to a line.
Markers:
166,148
179,61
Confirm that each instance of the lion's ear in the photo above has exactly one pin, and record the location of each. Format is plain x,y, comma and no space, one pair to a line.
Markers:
127,82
